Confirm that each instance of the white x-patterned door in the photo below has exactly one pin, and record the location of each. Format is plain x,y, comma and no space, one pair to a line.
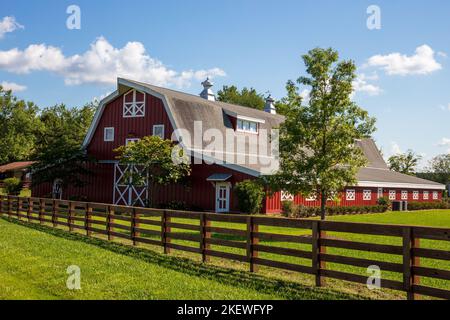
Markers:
125,192
222,197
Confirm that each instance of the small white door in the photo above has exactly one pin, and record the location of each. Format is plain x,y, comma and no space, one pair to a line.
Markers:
222,197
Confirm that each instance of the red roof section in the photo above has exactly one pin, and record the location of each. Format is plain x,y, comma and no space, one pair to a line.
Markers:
15,166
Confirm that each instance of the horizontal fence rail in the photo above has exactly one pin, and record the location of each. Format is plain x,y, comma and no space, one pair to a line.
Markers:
201,233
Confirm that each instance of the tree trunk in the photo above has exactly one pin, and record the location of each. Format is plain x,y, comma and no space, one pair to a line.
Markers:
323,204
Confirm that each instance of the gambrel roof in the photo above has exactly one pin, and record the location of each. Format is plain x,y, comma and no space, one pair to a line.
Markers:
185,109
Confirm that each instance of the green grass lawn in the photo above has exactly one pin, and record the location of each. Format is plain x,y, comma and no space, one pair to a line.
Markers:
437,218
23,193
34,262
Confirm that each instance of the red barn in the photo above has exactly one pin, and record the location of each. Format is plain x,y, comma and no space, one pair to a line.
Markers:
227,144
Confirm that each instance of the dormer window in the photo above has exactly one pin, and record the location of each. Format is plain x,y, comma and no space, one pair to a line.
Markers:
133,104
247,126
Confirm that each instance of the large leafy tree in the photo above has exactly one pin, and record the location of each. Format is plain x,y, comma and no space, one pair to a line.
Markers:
438,169
58,145
18,122
245,97
318,154
158,161
404,162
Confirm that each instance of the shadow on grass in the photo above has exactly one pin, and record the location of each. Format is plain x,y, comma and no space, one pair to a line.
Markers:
281,288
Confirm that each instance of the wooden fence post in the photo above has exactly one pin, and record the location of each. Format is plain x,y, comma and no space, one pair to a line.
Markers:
70,220
19,207
109,222
317,249
87,221
409,261
9,207
54,211
252,228
30,209
165,229
41,210
204,235
134,225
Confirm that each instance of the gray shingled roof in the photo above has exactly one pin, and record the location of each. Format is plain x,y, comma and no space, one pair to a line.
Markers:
187,108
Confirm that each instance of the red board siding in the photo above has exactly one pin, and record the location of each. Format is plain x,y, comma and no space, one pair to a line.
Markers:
273,203
127,127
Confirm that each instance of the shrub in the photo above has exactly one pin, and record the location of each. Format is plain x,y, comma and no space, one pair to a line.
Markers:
250,196
288,208
412,206
12,186
383,201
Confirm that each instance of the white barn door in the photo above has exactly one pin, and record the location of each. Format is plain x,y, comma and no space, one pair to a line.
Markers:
125,193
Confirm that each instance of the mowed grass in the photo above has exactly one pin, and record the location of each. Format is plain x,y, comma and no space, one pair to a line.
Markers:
436,218
34,260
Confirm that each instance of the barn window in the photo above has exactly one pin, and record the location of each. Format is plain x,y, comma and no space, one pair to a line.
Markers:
158,130
367,195
247,126
286,196
404,195
425,195
311,197
435,195
392,195
350,195
415,195
380,193
108,134
133,104
130,140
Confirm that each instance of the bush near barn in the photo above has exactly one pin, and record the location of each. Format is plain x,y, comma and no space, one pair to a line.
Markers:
293,210
12,186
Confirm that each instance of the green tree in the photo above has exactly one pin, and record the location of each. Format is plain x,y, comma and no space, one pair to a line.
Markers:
438,169
18,121
318,154
157,160
246,97
58,145
405,162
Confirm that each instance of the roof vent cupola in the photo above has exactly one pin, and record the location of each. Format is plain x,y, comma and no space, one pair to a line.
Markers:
207,92
269,106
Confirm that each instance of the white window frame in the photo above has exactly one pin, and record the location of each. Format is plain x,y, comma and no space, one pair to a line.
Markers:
348,194
156,126
435,195
132,109
415,195
367,195
128,140
248,122
311,197
426,195
380,193
404,195
286,196
392,194
105,135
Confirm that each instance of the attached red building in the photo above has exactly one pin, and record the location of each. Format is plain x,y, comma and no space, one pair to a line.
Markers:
227,144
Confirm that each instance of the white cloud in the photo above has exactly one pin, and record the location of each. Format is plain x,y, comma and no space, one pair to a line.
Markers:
395,148
445,142
9,24
442,54
444,108
422,62
101,64
361,84
12,86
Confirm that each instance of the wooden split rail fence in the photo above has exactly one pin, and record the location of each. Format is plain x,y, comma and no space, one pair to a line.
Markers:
132,223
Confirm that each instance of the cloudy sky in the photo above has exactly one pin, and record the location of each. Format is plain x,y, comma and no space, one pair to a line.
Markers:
403,67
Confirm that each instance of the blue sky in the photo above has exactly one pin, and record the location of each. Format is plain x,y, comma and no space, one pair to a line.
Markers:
403,68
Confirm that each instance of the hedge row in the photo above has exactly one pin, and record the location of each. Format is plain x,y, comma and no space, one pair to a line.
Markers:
412,206
293,210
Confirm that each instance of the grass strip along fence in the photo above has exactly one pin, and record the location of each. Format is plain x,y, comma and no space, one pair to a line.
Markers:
250,237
